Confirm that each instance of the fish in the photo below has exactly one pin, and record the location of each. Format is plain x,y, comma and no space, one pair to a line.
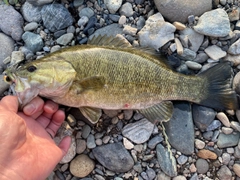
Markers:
107,73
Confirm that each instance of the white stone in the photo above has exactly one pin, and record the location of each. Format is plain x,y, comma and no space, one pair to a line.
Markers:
113,5
215,52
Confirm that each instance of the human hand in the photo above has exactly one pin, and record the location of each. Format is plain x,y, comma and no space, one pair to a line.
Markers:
27,151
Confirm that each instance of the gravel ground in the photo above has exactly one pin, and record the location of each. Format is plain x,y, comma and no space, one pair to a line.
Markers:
201,143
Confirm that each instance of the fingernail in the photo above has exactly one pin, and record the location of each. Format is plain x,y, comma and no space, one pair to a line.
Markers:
29,109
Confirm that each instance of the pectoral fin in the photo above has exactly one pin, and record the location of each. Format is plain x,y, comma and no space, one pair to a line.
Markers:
92,83
161,112
92,114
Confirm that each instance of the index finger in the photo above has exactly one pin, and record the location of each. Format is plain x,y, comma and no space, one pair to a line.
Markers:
9,103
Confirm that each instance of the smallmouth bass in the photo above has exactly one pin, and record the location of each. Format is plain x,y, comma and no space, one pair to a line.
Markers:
106,74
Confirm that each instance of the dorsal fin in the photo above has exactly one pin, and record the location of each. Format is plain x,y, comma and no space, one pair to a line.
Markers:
109,41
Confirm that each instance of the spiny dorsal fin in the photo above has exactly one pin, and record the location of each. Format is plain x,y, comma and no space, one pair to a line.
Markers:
110,41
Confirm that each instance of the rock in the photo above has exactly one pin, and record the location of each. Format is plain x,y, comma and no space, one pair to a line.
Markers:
30,26
188,55
126,9
33,41
65,39
81,166
117,158
226,158
166,161
214,23
110,30
113,5
127,144
227,140
195,39
199,144
53,22
88,12
180,10
91,142
180,129
128,114
86,131
202,166
179,178
201,57
236,169
31,13
156,32
154,141
224,173
39,2
71,152
179,26
235,59
16,57
234,49
6,47
235,125
83,21
215,52
182,159
81,145
206,154
233,14
129,30
223,118
138,132
193,65
226,130
214,125
11,22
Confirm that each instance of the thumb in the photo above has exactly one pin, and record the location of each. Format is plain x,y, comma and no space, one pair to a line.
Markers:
65,144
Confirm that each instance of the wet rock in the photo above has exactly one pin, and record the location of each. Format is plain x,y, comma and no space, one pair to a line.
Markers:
224,173
180,10
203,116
138,132
6,47
166,161
227,140
180,129
31,13
117,158
11,26
156,32
53,22
81,166
214,23
33,41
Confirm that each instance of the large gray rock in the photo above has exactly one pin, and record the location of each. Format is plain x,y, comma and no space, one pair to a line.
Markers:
6,47
11,22
32,41
56,17
39,2
180,129
156,32
114,157
31,13
179,10
214,23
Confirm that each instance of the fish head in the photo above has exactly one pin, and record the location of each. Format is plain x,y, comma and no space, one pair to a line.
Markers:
45,78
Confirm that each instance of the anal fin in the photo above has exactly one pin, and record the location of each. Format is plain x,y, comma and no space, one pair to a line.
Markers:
92,114
161,112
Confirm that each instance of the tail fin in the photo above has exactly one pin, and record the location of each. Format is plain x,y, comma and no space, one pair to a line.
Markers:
220,94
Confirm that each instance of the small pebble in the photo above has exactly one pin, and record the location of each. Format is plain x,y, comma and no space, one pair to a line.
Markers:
223,118
206,154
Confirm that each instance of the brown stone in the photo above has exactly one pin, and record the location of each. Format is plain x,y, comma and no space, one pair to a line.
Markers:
206,154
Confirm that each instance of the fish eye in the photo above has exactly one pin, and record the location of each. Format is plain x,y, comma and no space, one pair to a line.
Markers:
7,79
31,68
